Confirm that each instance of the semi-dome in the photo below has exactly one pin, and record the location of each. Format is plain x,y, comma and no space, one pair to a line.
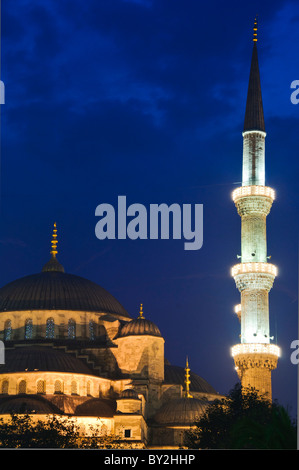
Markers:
138,327
31,404
42,359
181,411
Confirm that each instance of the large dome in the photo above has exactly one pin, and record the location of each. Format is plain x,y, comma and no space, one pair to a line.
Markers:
57,290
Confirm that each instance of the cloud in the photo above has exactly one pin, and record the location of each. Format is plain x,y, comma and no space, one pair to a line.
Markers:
12,241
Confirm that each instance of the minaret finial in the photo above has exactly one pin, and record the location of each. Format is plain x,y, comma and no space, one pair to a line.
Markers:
255,30
54,242
141,312
187,380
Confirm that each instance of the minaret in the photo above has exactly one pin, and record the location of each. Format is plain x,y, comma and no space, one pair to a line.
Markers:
254,357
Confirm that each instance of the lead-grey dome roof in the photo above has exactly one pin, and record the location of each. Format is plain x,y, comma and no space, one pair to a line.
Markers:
139,327
57,290
43,359
177,375
31,404
181,411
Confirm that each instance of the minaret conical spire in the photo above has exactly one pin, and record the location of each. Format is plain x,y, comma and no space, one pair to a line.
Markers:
254,114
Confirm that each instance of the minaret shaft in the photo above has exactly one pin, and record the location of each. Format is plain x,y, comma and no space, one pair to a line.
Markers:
253,172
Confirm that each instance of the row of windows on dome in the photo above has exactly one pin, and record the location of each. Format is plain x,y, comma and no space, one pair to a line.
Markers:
41,387
93,329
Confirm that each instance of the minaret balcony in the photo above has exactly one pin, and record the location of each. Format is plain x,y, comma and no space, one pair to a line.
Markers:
255,348
255,355
253,199
254,276
243,191
243,268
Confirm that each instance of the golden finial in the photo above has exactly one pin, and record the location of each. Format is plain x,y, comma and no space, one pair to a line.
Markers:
255,30
141,312
187,381
54,242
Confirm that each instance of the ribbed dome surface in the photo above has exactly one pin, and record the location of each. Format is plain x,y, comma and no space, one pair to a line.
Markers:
129,393
43,359
139,326
54,290
183,411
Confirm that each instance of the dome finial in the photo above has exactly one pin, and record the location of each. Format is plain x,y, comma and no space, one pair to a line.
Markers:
187,381
255,30
54,242
141,312
53,264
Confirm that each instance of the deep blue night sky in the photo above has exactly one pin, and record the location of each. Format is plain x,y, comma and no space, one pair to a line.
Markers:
146,98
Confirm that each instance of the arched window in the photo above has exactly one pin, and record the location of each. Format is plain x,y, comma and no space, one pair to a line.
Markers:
92,330
71,330
28,328
22,386
7,330
4,388
74,388
41,386
50,328
58,386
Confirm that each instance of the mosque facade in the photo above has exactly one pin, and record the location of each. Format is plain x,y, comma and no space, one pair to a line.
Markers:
72,350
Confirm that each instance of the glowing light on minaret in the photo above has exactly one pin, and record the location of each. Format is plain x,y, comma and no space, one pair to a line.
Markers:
254,357
187,393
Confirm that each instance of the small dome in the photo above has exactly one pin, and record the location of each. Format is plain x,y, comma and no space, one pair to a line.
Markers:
182,411
139,326
129,393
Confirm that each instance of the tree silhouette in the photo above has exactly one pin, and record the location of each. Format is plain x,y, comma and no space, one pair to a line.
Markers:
243,420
